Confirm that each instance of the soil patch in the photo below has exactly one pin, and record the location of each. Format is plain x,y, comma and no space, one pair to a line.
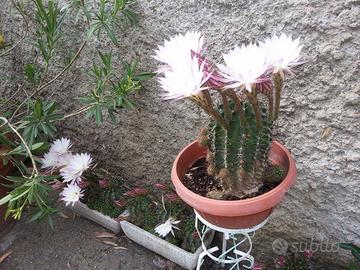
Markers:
200,182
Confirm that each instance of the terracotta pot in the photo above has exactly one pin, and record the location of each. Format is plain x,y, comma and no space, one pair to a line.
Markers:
233,214
5,225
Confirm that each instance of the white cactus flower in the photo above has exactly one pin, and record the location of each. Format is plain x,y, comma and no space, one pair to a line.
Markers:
64,160
164,229
49,161
244,66
71,194
282,52
75,167
60,146
58,154
184,81
178,50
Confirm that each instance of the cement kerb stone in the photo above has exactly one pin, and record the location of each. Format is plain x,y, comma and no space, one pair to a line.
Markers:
99,218
162,247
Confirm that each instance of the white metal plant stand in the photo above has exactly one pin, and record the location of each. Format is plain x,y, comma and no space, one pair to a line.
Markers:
232,239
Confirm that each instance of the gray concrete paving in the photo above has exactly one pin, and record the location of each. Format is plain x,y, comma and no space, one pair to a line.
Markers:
72,245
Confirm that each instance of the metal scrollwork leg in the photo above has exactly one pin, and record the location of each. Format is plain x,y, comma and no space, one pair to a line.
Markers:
233,240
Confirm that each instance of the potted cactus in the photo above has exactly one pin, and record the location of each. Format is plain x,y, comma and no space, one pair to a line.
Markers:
235,173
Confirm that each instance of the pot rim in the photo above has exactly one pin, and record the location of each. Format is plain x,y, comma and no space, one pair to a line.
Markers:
265,201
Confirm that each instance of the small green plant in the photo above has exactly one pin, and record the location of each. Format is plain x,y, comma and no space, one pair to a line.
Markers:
296,261
156,209
355,251
102,197
111,94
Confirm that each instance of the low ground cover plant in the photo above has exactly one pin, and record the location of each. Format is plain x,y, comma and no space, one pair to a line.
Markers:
154,208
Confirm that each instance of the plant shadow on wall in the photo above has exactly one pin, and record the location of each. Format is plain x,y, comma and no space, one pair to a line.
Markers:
29,117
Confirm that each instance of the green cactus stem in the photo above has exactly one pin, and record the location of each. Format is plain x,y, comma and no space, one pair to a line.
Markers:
263,147
237,156
239,136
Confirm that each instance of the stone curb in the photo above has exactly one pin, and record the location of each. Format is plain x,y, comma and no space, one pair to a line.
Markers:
99,218
167,250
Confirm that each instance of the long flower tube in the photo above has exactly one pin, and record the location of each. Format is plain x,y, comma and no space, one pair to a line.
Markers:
238,105
226,107
270,96
278,85
252,97
202,102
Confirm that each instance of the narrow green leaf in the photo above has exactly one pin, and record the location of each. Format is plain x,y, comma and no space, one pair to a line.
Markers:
38,109
36,216
6,199
14,198
144,76
51,222
111,35
98,114
36,146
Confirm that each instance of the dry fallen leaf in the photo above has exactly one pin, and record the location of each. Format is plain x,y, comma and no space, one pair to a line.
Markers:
118,247
61,214
5,255
105,235
326,133
110,243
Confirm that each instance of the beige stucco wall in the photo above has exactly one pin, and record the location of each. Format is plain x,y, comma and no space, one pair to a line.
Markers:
324,204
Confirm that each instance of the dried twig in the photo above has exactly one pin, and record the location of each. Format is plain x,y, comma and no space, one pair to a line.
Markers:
105,235
5,255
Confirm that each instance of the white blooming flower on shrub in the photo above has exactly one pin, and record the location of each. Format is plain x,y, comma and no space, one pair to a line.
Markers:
244,66
282,52
60,146
71,167
58,154
77,164
177,51
50,160
71,194
164,229
64,160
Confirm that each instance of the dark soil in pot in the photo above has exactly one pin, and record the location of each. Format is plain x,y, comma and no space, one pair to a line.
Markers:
200,182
